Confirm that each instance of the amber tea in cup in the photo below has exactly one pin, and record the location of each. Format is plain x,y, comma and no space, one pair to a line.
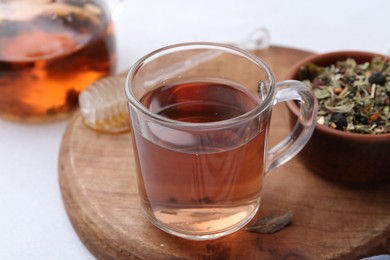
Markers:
200,114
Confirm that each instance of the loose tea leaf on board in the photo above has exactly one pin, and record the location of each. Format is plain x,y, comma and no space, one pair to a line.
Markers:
270,224
352,97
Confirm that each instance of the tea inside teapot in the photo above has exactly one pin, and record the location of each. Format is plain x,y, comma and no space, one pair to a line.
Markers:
49,52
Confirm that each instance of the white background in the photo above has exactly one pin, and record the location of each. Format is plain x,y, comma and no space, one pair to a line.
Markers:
33,222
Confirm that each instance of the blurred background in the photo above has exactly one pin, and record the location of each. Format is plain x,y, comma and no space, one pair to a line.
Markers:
317,26
33,222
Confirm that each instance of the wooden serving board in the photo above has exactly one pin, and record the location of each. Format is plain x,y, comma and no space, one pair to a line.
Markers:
331,220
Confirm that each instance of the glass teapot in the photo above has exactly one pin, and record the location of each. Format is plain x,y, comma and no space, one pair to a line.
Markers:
50,50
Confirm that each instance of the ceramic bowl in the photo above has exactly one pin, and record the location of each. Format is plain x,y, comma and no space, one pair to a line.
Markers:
339,155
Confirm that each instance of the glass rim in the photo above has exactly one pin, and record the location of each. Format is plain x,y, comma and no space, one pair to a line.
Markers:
206,46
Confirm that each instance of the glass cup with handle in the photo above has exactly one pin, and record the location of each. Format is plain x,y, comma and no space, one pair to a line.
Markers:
200,115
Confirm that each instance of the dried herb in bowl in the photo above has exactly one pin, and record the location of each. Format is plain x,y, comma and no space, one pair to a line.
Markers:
351,97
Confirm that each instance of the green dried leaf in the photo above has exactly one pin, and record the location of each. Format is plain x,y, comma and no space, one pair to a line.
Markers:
309,71
321,93
270,224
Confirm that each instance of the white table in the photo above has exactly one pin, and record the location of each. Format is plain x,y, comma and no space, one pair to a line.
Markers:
33,222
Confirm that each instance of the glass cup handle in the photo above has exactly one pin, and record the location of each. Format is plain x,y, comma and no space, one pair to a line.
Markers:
304,127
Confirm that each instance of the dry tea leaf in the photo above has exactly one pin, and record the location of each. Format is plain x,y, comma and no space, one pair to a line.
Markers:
270,224
352,97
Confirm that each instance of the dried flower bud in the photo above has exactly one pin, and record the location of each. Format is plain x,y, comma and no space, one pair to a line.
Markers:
374,117
337,90
377,78
361,119
339,120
